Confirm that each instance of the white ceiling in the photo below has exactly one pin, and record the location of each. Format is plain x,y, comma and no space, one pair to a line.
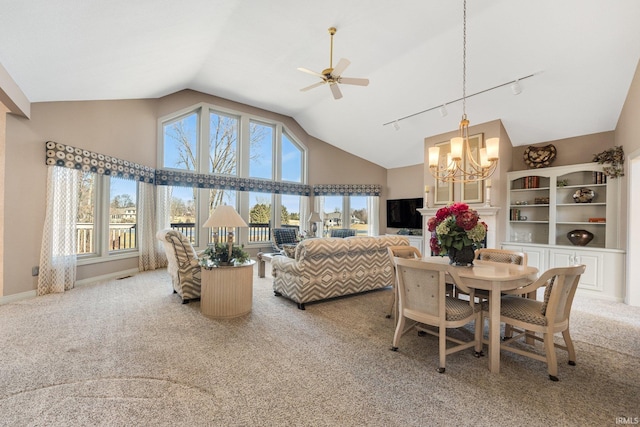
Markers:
584,54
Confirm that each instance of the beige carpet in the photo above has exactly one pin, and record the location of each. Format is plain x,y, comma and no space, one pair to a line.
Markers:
126,352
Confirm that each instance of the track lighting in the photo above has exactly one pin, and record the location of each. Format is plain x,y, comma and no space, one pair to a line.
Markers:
516,88
443,110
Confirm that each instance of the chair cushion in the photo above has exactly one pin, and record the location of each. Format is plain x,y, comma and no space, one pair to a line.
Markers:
547,295
458,309
519,308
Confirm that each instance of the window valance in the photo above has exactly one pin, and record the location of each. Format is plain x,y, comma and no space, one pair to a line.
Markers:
88,161
347,190
188,179
58,154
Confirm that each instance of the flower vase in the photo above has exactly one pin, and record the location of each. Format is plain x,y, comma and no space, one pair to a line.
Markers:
463,257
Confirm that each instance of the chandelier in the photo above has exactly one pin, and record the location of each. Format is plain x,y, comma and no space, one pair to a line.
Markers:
473,170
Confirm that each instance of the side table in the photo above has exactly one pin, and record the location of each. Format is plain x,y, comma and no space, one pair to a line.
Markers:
227,291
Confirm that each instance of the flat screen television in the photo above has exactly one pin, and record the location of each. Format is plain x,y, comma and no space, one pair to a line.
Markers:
402,213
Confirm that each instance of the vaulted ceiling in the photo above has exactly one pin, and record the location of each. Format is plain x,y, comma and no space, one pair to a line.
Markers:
582,54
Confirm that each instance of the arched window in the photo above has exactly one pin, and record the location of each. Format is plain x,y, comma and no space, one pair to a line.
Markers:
238,145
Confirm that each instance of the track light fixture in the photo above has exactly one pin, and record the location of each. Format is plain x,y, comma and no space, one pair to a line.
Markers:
516,88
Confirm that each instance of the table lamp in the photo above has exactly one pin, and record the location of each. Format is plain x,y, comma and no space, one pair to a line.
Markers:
225,216
314,219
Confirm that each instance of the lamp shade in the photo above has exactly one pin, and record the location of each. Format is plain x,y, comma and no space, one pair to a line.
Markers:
225,216
315,217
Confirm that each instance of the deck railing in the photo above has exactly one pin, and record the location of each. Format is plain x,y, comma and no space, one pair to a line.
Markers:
123,236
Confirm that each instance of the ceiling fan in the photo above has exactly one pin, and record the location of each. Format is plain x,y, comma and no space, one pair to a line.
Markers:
332,76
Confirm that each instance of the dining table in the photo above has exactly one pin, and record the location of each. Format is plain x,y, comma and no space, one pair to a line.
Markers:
494,277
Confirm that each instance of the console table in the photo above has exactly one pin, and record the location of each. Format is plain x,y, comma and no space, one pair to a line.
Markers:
227,291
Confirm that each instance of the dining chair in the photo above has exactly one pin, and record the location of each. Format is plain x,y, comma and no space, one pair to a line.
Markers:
423,301
529,316
403,251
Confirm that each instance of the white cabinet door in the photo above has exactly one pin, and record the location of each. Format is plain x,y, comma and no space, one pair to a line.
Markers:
593,277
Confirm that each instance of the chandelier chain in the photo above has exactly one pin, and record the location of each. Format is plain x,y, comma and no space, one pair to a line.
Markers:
464,59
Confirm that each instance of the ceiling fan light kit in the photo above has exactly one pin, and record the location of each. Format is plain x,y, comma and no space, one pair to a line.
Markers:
474,169
333,76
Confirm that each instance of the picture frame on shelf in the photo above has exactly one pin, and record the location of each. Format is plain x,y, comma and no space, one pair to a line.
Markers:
443,191
472,192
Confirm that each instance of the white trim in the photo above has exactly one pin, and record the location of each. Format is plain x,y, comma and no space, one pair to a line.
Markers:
17,297
107,277
632,285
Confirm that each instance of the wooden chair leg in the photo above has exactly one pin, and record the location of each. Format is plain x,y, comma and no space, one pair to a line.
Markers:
442,340
552,361
570,349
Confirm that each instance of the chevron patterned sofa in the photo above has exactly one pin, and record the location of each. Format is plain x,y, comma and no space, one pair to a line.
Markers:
331,267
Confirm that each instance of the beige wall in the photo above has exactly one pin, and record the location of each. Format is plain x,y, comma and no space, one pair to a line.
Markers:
126,129
626,134
570,151
3,122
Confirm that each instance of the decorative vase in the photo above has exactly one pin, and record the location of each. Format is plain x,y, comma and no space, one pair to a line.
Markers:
463,257
584,195
580,237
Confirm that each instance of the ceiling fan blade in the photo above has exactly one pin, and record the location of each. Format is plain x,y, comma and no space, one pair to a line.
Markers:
304,89
353,81
340,67
335,90
313,73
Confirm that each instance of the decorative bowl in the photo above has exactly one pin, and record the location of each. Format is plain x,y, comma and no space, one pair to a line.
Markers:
584,195
580,237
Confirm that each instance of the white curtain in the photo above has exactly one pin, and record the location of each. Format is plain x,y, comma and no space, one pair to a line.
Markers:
319,207
304,216
151,220
373,209
58,251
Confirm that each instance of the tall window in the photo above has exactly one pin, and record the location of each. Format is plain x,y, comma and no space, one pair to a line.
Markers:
86,219
333,213
223,144
261,150
181,143
183,211
291,160
336,207
210,140
358,214
116,200
122,214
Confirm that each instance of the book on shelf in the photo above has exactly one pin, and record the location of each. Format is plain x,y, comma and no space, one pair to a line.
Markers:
530,182
599,178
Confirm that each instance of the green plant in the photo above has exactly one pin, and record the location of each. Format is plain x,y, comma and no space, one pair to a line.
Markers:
218,254
615,157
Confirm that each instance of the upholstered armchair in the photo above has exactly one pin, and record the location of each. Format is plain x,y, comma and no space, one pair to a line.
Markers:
283,236
183,264
342,232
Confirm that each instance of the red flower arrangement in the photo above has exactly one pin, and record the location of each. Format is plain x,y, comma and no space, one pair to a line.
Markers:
455,226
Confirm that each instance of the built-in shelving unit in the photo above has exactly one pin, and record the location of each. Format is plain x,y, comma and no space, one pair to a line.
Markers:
542,210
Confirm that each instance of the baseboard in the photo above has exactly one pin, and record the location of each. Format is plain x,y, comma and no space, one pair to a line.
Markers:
105,277
17,297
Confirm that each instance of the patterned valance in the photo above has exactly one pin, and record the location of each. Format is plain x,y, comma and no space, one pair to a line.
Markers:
189,179
347,190
88,161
